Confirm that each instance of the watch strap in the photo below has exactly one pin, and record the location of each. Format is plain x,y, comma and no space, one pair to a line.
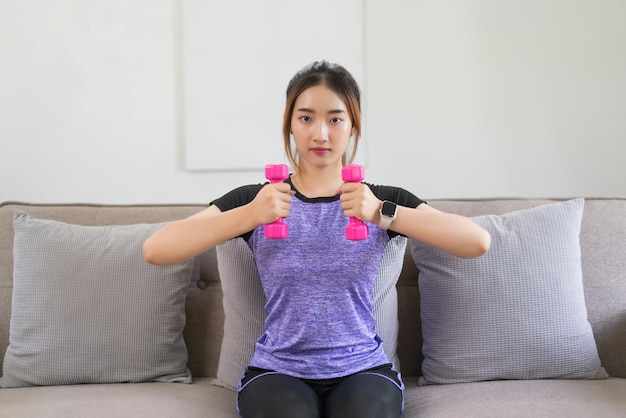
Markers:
385,220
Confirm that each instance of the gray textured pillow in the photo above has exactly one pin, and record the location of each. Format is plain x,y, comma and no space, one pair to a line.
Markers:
244,303
518,312
87,308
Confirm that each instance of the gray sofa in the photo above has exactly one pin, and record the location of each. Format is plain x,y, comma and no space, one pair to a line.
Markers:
603,245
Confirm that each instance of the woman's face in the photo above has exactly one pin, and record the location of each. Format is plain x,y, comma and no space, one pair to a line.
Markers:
321,127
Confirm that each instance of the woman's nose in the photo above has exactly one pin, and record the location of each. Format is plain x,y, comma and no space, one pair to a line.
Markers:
321,132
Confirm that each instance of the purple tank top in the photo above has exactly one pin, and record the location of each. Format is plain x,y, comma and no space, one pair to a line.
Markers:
319,292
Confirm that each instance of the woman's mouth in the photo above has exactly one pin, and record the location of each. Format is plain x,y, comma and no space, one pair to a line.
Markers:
320,151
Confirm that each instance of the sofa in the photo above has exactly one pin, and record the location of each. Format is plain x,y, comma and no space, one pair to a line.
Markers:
589,382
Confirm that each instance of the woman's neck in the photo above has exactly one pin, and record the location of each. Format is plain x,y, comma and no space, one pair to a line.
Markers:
321,183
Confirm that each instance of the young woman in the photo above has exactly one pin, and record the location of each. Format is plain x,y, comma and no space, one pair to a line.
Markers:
319,355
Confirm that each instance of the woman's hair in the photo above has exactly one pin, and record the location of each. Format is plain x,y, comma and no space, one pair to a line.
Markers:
336,78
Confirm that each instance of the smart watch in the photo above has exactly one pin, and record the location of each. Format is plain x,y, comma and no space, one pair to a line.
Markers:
388,212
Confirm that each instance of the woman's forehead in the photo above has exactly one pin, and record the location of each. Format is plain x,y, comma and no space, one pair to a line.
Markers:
318,98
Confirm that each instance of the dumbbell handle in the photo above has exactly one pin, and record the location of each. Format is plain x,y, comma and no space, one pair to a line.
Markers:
356,230
276,173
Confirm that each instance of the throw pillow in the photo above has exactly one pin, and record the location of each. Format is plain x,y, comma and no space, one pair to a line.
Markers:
244,303
87,307
517,312
244,313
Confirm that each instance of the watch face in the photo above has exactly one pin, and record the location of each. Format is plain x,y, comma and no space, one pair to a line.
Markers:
388,209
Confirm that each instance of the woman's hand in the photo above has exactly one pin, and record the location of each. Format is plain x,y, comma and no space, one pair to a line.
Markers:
358,200
272,202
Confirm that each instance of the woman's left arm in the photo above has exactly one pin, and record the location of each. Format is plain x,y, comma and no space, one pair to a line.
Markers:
454,234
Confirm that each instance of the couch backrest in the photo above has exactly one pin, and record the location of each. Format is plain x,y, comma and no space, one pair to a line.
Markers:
603,241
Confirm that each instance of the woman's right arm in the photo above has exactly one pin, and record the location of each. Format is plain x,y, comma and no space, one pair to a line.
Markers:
183,239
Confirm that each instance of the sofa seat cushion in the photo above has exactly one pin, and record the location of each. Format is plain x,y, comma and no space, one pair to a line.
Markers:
518,398
514,398
128,400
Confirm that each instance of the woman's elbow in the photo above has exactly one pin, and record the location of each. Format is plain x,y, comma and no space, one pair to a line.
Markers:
151,253
480,244
484,243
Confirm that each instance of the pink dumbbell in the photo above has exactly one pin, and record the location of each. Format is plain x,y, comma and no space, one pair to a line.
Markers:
356,230
276,173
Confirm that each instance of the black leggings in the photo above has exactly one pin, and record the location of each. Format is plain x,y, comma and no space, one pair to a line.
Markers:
373,393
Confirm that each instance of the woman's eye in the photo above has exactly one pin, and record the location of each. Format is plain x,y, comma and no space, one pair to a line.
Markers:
335,120
305,118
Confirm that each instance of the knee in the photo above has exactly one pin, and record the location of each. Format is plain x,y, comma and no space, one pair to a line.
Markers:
365,403
288,404
276,397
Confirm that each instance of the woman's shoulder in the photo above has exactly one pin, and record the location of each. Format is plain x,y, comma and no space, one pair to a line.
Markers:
239,196
395,194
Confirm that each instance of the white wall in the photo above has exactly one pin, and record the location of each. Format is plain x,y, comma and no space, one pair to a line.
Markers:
462,99
222,119
91,104
499,97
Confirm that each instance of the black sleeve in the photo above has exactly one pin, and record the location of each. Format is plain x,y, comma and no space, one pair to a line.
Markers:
237,197
397,195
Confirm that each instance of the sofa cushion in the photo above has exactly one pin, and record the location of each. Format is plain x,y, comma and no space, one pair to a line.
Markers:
244,303
517,312
547,398
87,308
138,400
244,313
